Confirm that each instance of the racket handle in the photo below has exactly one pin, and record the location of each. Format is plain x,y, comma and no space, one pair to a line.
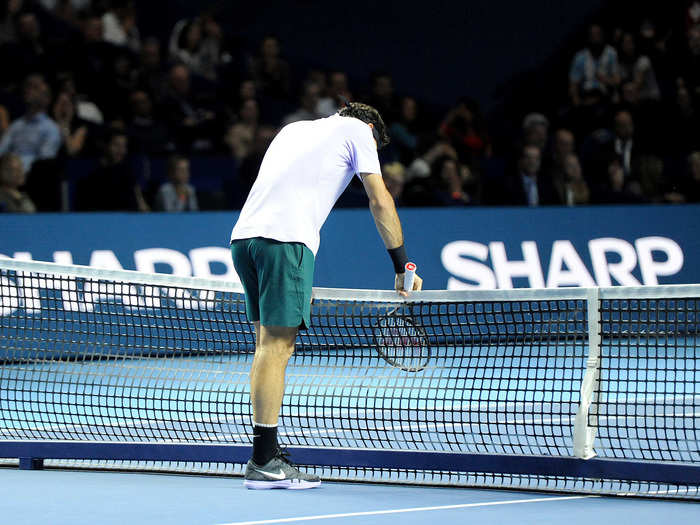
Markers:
408,276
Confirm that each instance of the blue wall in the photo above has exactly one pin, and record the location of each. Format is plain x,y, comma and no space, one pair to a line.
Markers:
453,248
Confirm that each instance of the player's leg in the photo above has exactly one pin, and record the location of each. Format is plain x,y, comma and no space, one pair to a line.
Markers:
274,347
273,350
285,273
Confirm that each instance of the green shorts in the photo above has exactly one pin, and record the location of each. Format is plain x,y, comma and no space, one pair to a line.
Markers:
277,278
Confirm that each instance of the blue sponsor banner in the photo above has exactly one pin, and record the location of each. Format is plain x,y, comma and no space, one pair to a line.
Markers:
454,248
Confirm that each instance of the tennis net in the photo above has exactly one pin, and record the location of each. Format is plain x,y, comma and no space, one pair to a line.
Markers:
591,390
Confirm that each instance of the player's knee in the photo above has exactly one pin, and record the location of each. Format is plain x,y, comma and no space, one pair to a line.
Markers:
280,350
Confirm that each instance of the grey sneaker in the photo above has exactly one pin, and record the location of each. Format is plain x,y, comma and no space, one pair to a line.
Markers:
278,473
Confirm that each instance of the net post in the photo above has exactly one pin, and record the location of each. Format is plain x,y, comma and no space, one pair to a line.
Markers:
584,434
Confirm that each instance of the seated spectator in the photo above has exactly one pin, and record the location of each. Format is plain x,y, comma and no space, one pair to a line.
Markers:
570,186
615,190
464,128
250,165
525,187
28,53
74,130
67,10
12,200
146,133
197,43
192,124
177,194
422,166
239,140
309,101
637,68
119,25
595,67
270,71
422,174
382,97
8,12
337,87
651,178
112,186
249,114
85,109
122,83
150,76
535,131
623,143
394,175
448,187
564,143
34,135
91,59
247,91
404,132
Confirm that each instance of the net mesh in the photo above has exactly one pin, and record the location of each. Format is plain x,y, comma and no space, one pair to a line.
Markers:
89,357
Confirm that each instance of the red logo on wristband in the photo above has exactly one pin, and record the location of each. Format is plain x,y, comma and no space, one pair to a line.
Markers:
410,267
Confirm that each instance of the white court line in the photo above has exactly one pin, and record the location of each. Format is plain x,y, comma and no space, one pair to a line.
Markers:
400,511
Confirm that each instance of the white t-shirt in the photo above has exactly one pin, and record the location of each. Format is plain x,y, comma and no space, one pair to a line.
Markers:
306,168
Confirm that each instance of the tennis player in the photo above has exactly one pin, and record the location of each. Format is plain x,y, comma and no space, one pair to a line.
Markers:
306,168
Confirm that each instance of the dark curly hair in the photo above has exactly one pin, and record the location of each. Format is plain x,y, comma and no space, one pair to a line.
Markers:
369,115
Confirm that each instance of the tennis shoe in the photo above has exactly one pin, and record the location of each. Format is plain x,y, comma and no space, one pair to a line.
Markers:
278,473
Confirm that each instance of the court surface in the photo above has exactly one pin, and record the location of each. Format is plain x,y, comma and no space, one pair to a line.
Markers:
75,497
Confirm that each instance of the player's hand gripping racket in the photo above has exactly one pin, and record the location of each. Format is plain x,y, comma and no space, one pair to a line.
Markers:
400,341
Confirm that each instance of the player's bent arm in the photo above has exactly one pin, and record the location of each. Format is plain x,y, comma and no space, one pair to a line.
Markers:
381,204
383,209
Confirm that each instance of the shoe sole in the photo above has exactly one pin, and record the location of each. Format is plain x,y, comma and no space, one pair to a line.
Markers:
282,484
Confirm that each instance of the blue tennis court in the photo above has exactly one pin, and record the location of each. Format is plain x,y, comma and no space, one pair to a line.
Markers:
69,497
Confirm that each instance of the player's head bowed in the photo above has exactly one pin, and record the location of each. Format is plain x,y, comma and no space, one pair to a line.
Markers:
367,114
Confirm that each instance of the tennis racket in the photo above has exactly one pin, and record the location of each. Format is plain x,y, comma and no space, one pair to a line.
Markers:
399,340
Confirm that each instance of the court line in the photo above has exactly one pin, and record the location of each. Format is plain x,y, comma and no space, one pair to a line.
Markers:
413,509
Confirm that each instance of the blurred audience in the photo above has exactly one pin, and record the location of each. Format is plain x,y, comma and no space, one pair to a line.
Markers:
177,194
34,135
525,186
594,68
12,200
394,175
637,69
191,122
614,190
270,71
535,131
404,132
198,43
337,87
119,25
570,186
146,133
309,102
382,97
113,185
623,134
73,130
463,127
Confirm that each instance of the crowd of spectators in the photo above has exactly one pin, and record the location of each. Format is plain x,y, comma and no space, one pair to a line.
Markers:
80,81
